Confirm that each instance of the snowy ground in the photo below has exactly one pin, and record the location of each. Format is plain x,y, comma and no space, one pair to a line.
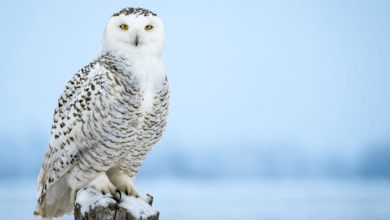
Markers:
257,199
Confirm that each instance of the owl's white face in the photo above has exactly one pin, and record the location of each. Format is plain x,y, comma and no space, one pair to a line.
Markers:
134,34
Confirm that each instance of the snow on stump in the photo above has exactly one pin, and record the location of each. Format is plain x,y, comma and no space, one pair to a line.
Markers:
92,205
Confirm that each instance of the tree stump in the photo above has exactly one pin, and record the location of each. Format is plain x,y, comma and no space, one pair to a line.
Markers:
92,205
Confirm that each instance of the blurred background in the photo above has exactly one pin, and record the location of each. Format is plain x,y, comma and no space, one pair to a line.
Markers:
279,109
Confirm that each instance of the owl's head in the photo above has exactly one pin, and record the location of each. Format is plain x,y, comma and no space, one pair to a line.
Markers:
134,31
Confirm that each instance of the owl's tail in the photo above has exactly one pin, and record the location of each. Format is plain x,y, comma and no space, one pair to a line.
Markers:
56,202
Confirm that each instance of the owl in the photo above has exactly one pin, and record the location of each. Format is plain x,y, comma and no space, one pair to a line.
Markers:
109,116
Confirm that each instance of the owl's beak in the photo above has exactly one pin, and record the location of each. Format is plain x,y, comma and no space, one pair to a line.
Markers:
136,40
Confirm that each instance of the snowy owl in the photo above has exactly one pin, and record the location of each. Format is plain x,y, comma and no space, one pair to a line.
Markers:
109,115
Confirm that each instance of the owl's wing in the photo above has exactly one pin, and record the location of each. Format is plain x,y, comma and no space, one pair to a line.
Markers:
62,151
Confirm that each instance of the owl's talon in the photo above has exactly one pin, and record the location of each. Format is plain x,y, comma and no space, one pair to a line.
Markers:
126,192
104,193
120,194
115,196
150,199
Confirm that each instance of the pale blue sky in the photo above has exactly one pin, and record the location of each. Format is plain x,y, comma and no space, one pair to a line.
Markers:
312,73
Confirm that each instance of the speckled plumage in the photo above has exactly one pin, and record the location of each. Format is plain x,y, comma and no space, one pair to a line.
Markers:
108,118
134,11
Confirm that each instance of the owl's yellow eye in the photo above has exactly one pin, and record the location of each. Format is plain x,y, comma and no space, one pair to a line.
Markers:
124,26
148,27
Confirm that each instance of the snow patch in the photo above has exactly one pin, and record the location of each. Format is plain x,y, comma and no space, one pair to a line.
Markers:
87,197
137,206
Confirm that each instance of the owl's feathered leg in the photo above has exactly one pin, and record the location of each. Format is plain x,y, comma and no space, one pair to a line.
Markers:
102,184
121,179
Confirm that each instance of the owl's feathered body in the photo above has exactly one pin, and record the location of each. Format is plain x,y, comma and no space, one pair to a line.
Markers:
108,118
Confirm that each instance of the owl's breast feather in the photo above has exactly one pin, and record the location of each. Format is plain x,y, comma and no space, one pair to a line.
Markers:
150,76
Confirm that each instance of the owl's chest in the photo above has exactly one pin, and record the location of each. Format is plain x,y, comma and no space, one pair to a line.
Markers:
135,106
149,76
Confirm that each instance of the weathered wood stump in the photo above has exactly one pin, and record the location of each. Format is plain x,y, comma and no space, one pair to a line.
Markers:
92,205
